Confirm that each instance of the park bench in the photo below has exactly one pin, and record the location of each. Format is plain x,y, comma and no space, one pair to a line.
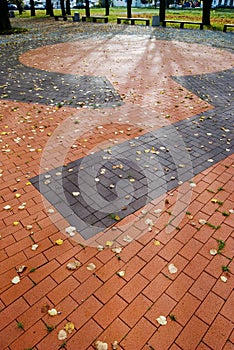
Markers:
182,23
95,18
133,20
64,18
226,26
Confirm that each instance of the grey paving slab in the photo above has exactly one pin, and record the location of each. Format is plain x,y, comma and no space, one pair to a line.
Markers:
183,150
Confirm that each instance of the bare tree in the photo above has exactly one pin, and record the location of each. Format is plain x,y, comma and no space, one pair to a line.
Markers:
87,9
107,5
5,23
19,4
32,7
62,7
49,8
68,7
206,12
129,8
162,10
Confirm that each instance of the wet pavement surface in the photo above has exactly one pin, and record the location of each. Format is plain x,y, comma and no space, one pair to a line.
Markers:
117,152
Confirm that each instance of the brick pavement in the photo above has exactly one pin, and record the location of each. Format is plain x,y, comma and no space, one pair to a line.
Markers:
165,144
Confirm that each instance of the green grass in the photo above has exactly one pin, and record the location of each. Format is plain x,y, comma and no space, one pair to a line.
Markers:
13,30
218,17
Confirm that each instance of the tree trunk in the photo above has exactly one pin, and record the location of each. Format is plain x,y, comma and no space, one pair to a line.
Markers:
129,8
87,9
206,12
33,12
162,10
107,5
62,7
49,8
68,7
5,23
19,4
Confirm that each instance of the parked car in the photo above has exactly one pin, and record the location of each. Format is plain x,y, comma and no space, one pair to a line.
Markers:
79,6
39,6
12,7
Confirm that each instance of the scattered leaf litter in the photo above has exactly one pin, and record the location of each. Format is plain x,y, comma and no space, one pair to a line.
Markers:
99,345
162,320
121,273
71,230
91,267
62,334
73,265
69,327
223,279
52,312
15,280
213,251
59,241
172,268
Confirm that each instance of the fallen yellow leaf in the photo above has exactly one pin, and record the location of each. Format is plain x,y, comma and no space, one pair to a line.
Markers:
59,241
69,327
109,243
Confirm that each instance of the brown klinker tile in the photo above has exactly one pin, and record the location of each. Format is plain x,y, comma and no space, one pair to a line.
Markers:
109,288
227,309
192,334
165,335
85,311
116,331
209,308
157,287
110,311
179,286
170,249
138,307
86,336
218,333
86,289
133,288
31,337
138,335
185,309
196,266
202,286
39,290
163,306
154,266
63,289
